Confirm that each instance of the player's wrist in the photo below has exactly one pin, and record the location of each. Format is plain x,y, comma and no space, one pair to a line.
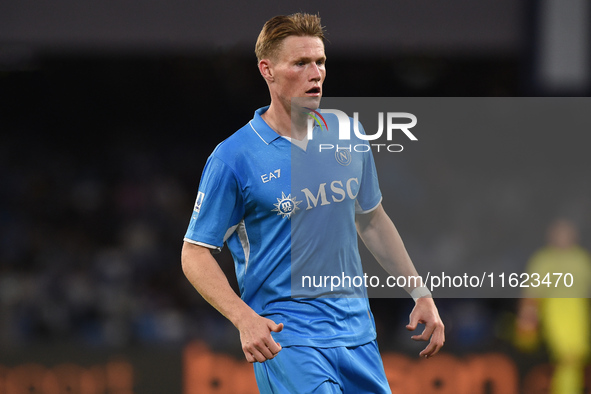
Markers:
244,315
420,292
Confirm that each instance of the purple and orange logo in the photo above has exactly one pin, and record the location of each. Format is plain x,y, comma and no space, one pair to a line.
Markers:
316,115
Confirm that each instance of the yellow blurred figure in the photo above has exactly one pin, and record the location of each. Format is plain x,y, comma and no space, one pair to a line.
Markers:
564,323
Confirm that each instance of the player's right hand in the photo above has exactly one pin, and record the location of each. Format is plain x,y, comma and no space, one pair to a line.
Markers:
255,335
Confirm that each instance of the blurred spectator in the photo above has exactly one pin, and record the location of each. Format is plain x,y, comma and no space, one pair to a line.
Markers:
562,323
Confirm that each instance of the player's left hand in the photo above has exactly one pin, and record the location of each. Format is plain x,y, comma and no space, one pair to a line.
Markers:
425,312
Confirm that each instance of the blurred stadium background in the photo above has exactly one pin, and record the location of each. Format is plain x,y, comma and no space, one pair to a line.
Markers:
109,110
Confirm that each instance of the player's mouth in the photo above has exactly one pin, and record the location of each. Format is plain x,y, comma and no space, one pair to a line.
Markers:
314,92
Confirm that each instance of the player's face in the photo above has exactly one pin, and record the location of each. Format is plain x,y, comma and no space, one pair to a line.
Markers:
299,70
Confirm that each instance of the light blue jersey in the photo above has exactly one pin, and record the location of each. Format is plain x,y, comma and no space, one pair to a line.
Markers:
273,202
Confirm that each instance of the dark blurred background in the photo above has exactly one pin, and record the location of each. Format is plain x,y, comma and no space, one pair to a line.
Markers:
109,110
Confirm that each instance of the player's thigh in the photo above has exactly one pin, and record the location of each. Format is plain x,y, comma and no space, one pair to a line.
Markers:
298,369
363,371
567,340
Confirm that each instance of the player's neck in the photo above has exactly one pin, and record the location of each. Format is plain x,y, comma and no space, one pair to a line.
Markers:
284,124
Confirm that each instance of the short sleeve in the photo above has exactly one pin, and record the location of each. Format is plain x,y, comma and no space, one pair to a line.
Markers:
369,196
219,205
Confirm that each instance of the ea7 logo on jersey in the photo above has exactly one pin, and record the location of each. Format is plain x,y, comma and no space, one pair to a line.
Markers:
272,175
286,206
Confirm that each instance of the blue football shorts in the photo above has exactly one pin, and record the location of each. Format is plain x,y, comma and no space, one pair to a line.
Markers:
303,369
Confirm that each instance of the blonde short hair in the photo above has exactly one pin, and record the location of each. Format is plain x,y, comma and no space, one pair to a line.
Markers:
282,26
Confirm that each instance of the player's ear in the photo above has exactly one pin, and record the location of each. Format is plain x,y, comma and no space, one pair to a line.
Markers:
266,69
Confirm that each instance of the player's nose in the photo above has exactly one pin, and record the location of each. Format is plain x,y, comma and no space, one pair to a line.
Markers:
315,73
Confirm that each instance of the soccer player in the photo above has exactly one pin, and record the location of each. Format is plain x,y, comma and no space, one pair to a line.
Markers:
264,192
569,345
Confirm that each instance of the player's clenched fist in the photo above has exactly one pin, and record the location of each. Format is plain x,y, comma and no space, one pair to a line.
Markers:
257,342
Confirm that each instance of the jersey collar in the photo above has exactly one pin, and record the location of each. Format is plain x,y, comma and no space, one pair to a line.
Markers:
265,133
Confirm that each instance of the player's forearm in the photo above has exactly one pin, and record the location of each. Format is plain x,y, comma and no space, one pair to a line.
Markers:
205,274
383,240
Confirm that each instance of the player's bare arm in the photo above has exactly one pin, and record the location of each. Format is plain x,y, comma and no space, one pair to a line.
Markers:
205,274
383,240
